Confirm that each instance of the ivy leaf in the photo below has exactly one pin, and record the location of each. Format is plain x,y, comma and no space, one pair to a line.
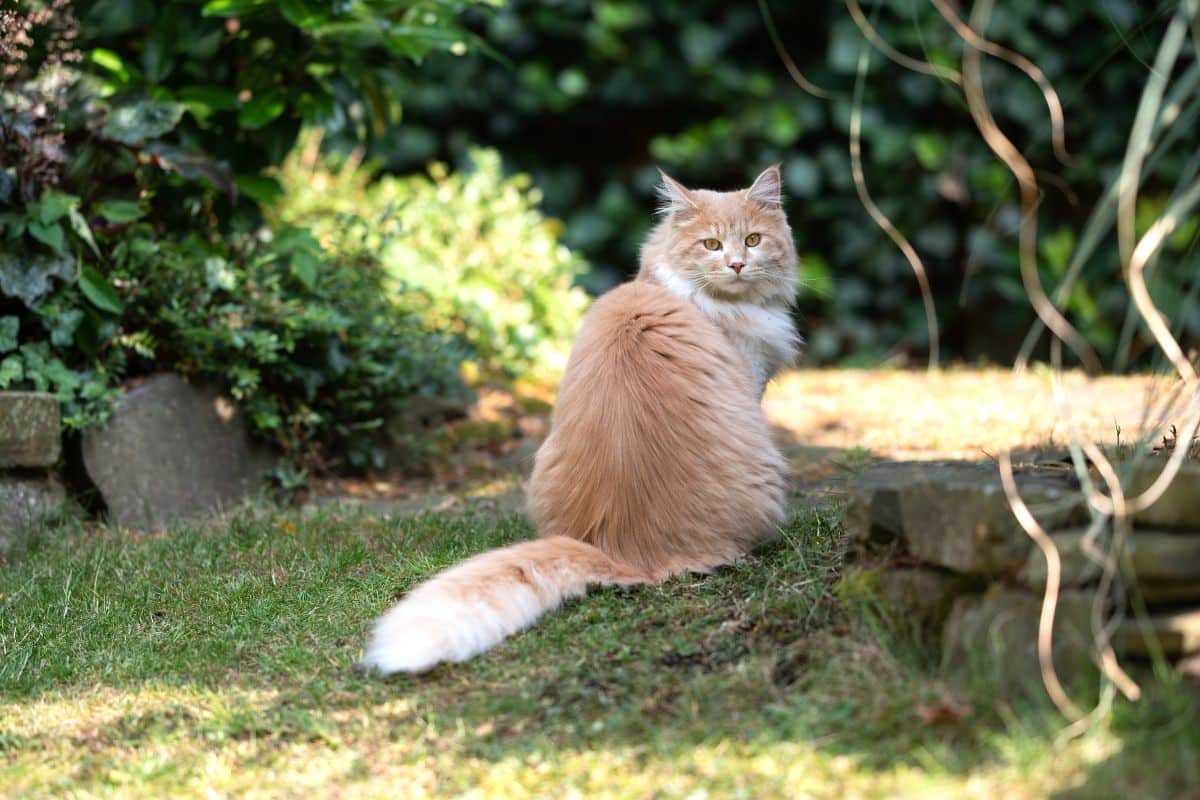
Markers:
307,14
29,278
262,109
11,371
95,287
192,166
141,121
54,206
108,60
304,267
203,101
259,188
9,328
119,211
50,235
230,8
82,230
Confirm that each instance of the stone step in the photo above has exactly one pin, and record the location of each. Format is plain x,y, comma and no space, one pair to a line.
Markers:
1177,633
30,429
955,514
1166,563
1179,506
997,632
25,504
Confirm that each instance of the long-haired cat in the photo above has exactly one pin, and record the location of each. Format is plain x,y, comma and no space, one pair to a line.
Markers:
659,458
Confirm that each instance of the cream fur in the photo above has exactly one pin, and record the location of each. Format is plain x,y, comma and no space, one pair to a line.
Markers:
659,460
764,334
752,306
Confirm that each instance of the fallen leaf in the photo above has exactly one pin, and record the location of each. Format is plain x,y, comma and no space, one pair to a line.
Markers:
942,712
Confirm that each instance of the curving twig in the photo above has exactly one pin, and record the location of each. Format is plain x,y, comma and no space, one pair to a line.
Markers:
881,219
1169,127
1027,184
1053,105
906,61
788,64
1045,639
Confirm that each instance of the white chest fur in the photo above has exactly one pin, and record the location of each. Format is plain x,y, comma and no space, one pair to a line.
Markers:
765,335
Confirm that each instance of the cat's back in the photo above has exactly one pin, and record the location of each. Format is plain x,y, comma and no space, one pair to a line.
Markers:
658,452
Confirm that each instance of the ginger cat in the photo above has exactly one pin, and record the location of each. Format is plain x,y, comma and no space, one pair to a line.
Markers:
659,458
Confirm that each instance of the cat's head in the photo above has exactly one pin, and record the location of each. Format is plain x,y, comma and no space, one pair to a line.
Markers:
731,245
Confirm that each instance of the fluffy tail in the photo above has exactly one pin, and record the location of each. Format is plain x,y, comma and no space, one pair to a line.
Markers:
472,607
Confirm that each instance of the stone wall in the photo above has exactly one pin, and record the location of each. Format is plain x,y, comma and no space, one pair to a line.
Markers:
170,452
947,552
30,445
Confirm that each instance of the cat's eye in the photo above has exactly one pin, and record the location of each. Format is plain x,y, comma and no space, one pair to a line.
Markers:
712,244
753,239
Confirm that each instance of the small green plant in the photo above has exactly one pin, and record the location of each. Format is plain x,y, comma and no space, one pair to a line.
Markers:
467,250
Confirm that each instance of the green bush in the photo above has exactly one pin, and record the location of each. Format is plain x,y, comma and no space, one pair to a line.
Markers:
135,144
600,92
306,341
468,251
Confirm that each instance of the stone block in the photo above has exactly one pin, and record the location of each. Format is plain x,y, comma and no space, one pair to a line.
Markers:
1179,506
30,429
920,596
997,632
25,504
955,514
1177,634
172,452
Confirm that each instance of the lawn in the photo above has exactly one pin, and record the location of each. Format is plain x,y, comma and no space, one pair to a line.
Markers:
217,660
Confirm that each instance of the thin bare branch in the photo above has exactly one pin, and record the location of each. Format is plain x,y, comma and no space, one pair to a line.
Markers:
788,64
881,219
979,42
1028,187
906,61
1045,639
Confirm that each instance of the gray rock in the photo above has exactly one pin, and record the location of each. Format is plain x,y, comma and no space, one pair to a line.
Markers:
1179,506
955,514
1177,634
172,452
26,503
30,429
996,632
920,596
1166,564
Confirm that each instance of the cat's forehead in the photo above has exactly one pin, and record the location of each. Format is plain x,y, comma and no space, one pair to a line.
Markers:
730,209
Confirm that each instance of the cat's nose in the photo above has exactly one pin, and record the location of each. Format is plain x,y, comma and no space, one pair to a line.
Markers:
736,266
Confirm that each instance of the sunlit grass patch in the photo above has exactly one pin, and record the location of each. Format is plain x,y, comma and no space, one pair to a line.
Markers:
219,657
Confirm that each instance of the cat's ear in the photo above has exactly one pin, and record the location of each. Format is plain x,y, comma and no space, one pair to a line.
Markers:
767,188
674,197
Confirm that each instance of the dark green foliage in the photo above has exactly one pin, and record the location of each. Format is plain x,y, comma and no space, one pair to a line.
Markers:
601,92
133,142
311,345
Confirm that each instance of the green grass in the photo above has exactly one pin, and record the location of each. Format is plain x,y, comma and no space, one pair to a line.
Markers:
217,660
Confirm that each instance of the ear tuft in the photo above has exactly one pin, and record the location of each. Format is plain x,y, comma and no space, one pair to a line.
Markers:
767,188
673,196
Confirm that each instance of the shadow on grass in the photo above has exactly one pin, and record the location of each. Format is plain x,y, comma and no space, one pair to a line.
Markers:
248,629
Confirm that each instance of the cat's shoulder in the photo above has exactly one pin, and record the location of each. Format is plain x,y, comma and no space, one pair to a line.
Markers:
642,297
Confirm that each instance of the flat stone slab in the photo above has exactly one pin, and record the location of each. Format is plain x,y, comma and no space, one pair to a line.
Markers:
1165,563
25,504
30,429
955,514
172,452
1177,634
1179,506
